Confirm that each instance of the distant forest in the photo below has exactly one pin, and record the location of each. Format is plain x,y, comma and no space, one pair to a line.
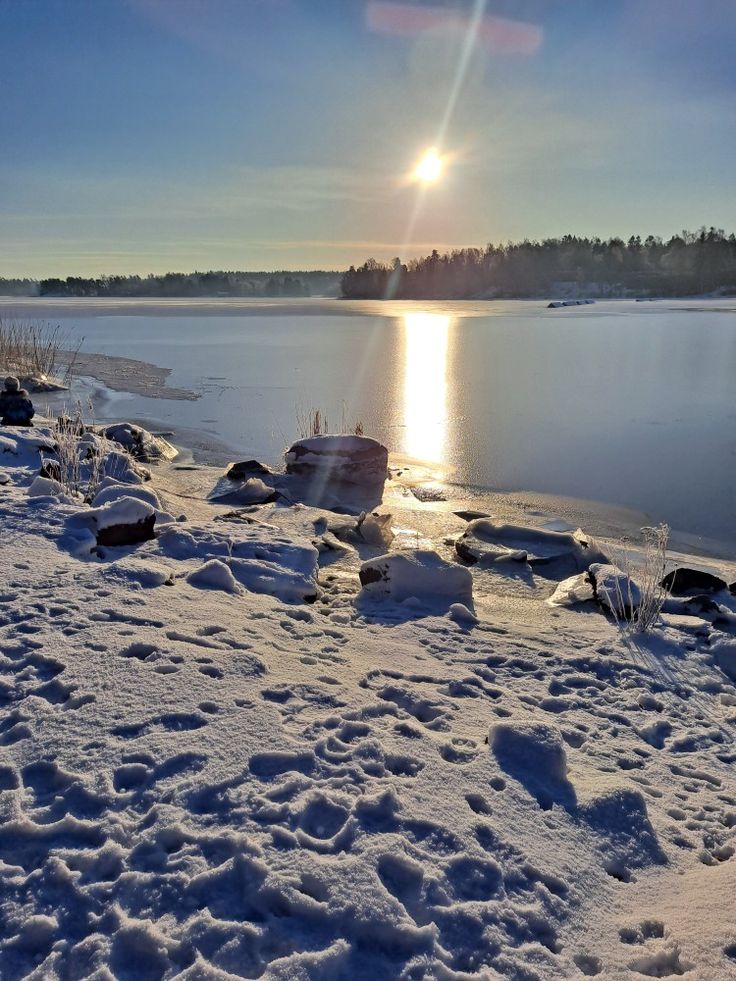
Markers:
208,284
688,264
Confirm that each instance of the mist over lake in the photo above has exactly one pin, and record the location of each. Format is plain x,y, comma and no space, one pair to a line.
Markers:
623,402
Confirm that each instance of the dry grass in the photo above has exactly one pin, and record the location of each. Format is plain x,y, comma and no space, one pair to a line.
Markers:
31,349
314,422
79,467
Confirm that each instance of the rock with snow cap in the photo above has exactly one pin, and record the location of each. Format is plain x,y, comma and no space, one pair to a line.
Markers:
615,590
355,460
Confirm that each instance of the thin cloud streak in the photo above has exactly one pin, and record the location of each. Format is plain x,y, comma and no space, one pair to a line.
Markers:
499,35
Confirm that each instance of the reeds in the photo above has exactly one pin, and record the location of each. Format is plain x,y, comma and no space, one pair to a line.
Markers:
32,349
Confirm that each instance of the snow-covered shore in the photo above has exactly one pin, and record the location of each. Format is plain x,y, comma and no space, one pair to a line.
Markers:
219,757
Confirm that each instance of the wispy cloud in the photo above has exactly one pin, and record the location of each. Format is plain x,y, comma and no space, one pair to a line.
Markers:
499,35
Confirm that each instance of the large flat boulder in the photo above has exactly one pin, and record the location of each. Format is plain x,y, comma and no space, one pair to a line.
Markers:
357,460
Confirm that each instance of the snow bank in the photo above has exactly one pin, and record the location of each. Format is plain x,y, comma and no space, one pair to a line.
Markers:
261,561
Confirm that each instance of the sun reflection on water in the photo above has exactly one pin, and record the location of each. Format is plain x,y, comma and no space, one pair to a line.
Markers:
426,338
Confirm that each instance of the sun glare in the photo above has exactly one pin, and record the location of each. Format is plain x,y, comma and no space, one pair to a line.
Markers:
429,169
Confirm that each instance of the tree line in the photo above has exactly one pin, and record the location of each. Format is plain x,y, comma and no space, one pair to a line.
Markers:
211,284
687,264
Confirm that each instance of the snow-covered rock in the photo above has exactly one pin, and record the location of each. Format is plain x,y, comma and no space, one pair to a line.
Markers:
252,491
724,654
260,559
45,487
322,461
140,443
534,754
113,491
214,574
616,591
124,521
138,572
576,589
485,542
421,575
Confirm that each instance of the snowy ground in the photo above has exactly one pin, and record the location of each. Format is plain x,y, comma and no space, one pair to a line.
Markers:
205,776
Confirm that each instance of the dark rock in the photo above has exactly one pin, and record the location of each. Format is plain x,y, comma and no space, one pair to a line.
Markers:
684,581
337,472
247,468
51,469
370,574
341,459
127,534
471,515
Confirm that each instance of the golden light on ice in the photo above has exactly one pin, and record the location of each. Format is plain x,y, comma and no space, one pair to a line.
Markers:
430,167
426,338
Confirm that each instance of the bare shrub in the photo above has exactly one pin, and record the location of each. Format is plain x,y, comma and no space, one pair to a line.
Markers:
643,582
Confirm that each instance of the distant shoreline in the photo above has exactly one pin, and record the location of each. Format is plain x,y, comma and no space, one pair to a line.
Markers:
43,307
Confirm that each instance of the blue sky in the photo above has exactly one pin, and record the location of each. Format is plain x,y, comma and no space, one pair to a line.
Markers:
147,135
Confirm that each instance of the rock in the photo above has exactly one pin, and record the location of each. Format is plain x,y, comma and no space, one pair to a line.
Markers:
245,469
428,495
50,469
463,616
421,574
469,515
45,487
486,543
576,589
252,491
614,590
110,490
141,444
124,521
375,529
356,460
684,582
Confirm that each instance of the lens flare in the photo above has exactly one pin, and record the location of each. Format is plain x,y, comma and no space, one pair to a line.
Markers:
430,167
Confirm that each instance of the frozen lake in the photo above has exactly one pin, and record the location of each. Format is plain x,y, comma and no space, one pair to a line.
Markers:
628,403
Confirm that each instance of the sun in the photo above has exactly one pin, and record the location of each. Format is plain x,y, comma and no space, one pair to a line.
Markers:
430,167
